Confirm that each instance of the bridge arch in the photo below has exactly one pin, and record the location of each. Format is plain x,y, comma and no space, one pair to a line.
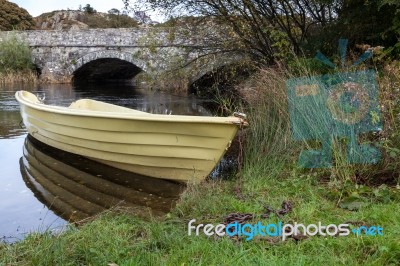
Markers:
105,64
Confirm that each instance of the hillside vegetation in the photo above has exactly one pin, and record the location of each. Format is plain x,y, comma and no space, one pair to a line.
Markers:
13,17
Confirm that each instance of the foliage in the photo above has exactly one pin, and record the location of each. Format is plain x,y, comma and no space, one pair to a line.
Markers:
16,61
395,28
269,118
298,65
220,85
111,20
260,24
142,17
270,127
121,21
15,54
389,139
114,11
271,30
370,22
89,9
13,17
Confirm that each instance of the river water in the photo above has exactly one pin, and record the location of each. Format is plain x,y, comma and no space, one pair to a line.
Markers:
42,188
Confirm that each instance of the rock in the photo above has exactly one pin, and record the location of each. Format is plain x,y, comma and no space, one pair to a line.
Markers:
78,20
61,20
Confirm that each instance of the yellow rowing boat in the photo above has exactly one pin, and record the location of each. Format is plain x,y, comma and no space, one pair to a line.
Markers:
174,147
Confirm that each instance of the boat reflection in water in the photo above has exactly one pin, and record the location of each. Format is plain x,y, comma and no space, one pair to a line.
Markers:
76,188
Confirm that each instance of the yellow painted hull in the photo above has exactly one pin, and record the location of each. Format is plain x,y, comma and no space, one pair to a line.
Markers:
180,148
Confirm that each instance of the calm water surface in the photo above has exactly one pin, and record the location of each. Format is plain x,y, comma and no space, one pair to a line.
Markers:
42,188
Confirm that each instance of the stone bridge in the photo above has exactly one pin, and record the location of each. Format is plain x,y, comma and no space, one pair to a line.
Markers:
102,54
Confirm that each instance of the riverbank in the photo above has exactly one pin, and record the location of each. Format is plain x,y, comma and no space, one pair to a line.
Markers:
271,187
25,76
124,239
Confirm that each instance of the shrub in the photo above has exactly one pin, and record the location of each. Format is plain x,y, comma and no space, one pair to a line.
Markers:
89,9
96,21
15,54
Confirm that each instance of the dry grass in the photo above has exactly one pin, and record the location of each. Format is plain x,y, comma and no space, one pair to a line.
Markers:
268,112
25,76
389,85
270,133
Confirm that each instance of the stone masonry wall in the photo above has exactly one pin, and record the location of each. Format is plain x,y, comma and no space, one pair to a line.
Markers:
59,53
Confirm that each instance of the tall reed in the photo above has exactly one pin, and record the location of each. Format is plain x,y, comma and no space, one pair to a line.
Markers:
270,137
24,76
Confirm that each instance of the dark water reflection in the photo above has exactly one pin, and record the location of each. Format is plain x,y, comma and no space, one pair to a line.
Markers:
76,188
9,113
125,95
39,190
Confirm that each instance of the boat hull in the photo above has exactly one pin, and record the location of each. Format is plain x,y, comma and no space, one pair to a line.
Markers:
179,148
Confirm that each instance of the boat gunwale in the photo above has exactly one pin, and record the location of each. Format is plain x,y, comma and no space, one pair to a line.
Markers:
21,98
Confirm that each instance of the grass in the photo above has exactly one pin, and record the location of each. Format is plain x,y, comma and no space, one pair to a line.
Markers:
19,76
127,240
269,176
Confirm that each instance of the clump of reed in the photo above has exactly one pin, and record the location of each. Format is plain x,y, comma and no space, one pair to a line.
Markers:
16,61
269,136
25,76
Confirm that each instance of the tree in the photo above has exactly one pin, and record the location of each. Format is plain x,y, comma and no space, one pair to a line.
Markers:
368,22
89,9
142,17
12,17
114,11
261,25
264,28
116,19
